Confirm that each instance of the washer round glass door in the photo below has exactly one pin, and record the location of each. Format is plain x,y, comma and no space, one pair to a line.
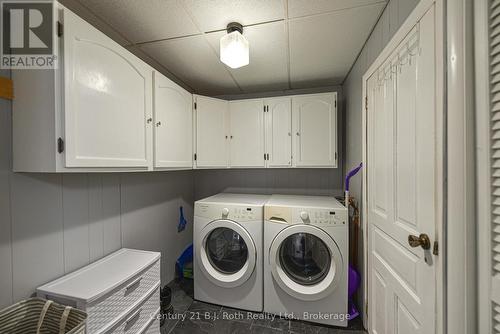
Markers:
227,253
306,262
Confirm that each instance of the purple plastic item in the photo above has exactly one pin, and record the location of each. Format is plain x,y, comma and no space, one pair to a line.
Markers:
353,285
351,174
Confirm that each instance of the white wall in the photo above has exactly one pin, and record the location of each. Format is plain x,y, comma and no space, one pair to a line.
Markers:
52,224
391,19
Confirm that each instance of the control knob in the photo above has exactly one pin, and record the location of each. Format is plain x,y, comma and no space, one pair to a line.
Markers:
304,215
225,212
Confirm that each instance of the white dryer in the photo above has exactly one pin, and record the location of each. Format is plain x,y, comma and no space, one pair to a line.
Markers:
306,258
228,238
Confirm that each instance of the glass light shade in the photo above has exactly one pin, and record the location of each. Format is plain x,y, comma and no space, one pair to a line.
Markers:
234,50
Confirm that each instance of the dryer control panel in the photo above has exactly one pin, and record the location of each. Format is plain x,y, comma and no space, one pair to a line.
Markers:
314,216
322,217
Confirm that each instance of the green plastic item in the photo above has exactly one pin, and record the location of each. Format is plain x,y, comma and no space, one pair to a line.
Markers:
187,271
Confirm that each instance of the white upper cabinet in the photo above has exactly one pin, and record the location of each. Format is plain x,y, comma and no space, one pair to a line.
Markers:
89,115
315,130
173,124
278,132
212,139
107,100
246,133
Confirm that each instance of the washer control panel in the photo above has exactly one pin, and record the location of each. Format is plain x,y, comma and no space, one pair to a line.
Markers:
322,217
236,213
242,213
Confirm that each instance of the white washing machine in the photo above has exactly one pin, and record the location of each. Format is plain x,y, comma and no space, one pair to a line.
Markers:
228,238
306,258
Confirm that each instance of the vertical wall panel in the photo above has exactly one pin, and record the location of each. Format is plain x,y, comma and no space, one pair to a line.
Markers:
37,231
111,213
5,216
404,9
393,10
76,219
96,229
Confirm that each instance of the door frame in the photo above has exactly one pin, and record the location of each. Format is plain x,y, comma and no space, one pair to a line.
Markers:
483,164
415,16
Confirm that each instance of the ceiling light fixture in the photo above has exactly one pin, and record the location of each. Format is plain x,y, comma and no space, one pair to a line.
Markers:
234,50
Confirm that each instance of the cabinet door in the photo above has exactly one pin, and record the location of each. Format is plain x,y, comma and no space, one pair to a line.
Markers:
247,133
108,98
279,132
173,124
211,132
315,128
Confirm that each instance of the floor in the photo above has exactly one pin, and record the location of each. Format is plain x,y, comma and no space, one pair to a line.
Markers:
189,317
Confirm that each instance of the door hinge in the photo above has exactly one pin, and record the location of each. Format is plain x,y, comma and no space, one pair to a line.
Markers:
435,248
335,103
195,106
335,156
60,145
366,103
60,29
366,309
195,157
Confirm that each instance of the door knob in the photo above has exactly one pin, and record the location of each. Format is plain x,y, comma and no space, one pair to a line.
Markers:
422,240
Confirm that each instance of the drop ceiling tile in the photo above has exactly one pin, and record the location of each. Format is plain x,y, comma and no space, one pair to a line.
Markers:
268,69
89,16
141,21
324,47
213,15
192,60
298,8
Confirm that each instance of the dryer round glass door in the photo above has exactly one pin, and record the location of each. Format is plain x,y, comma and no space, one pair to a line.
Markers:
306,262
226,253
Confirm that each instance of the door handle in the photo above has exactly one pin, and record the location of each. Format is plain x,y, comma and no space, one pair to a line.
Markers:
422,240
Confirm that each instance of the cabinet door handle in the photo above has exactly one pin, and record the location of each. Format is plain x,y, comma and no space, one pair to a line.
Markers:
231,137
149,120
298,133
289,134
158,124
226,137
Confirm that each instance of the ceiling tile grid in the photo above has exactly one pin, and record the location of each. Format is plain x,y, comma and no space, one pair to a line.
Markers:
293,43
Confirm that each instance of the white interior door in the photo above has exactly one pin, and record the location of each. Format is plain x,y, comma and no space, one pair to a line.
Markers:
173,124
211,132
279,132
108,98
402,166
246,133
315,128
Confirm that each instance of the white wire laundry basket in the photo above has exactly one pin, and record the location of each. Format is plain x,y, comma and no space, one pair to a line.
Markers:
40,316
